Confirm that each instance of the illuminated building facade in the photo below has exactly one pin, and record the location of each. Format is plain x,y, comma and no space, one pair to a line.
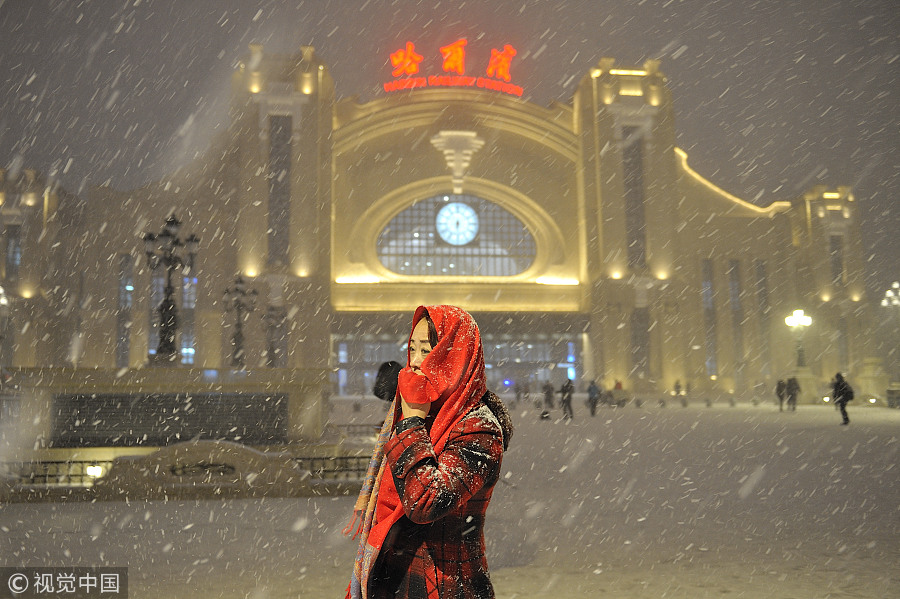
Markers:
577,234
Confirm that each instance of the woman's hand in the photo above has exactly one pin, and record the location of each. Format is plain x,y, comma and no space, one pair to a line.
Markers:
414,409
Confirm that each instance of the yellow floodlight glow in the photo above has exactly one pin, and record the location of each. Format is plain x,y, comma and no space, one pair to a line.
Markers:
662,275
307,83
255,83
631,92
628,72
357,280
616,274
826,297
94,471
251,272
556,281
831,195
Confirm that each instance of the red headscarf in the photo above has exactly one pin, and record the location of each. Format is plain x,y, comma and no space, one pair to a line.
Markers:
452,379
452,374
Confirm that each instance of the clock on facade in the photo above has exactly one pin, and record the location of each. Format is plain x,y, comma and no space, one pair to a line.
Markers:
457,223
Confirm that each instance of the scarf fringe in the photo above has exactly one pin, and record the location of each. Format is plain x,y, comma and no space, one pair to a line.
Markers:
356,522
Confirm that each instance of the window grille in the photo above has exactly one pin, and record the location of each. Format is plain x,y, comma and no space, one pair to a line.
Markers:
411,244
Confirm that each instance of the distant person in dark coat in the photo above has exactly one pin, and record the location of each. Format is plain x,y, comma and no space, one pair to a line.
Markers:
548,396
566,392
594,392
841,392
792,389
780,390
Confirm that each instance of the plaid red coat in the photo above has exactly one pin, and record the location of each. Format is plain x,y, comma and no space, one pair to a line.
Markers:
436,551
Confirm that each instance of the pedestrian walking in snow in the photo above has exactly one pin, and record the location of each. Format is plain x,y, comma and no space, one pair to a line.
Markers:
841,392
420,513
780,390
566,392
792,390
548,396
594,391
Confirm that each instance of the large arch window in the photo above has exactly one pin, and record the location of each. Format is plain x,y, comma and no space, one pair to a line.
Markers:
456,235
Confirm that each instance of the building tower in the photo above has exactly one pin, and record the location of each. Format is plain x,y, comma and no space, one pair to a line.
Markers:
624,122
281,164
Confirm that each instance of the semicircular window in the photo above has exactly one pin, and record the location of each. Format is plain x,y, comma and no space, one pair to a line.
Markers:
456,235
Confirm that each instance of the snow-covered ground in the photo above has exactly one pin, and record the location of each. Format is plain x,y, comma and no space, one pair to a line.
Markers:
636,502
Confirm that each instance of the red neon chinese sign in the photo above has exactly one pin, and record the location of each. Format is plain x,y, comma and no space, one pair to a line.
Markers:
406,62
499,65
455,57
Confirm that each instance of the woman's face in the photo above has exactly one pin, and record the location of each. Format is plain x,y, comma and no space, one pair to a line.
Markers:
419,346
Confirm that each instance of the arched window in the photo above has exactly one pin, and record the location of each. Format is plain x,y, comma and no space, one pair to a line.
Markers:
456,235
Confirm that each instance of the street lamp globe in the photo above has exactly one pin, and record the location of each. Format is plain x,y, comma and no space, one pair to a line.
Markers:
892,296
798,321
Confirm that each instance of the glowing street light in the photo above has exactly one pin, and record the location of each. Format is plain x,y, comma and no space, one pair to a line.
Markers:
892,295
798,321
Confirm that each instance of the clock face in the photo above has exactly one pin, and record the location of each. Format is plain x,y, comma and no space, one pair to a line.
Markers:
457,223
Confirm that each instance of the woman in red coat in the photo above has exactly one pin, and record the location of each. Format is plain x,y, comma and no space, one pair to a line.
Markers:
421,509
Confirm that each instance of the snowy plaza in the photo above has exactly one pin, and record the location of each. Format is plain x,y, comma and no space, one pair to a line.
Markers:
655,501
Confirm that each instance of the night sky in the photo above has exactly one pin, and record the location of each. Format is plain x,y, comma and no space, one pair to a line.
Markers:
771,97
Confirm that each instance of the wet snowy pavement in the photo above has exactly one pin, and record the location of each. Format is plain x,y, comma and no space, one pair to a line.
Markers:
651,502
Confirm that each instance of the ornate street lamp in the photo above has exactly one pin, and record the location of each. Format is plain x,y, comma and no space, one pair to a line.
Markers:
4,325
166,249
274,319
798,321
243,301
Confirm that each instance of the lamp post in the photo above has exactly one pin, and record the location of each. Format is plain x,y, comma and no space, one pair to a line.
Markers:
798,321
243,302
888,335
274,319
4,325
166,249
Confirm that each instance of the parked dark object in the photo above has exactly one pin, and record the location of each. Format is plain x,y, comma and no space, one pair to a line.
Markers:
386,381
